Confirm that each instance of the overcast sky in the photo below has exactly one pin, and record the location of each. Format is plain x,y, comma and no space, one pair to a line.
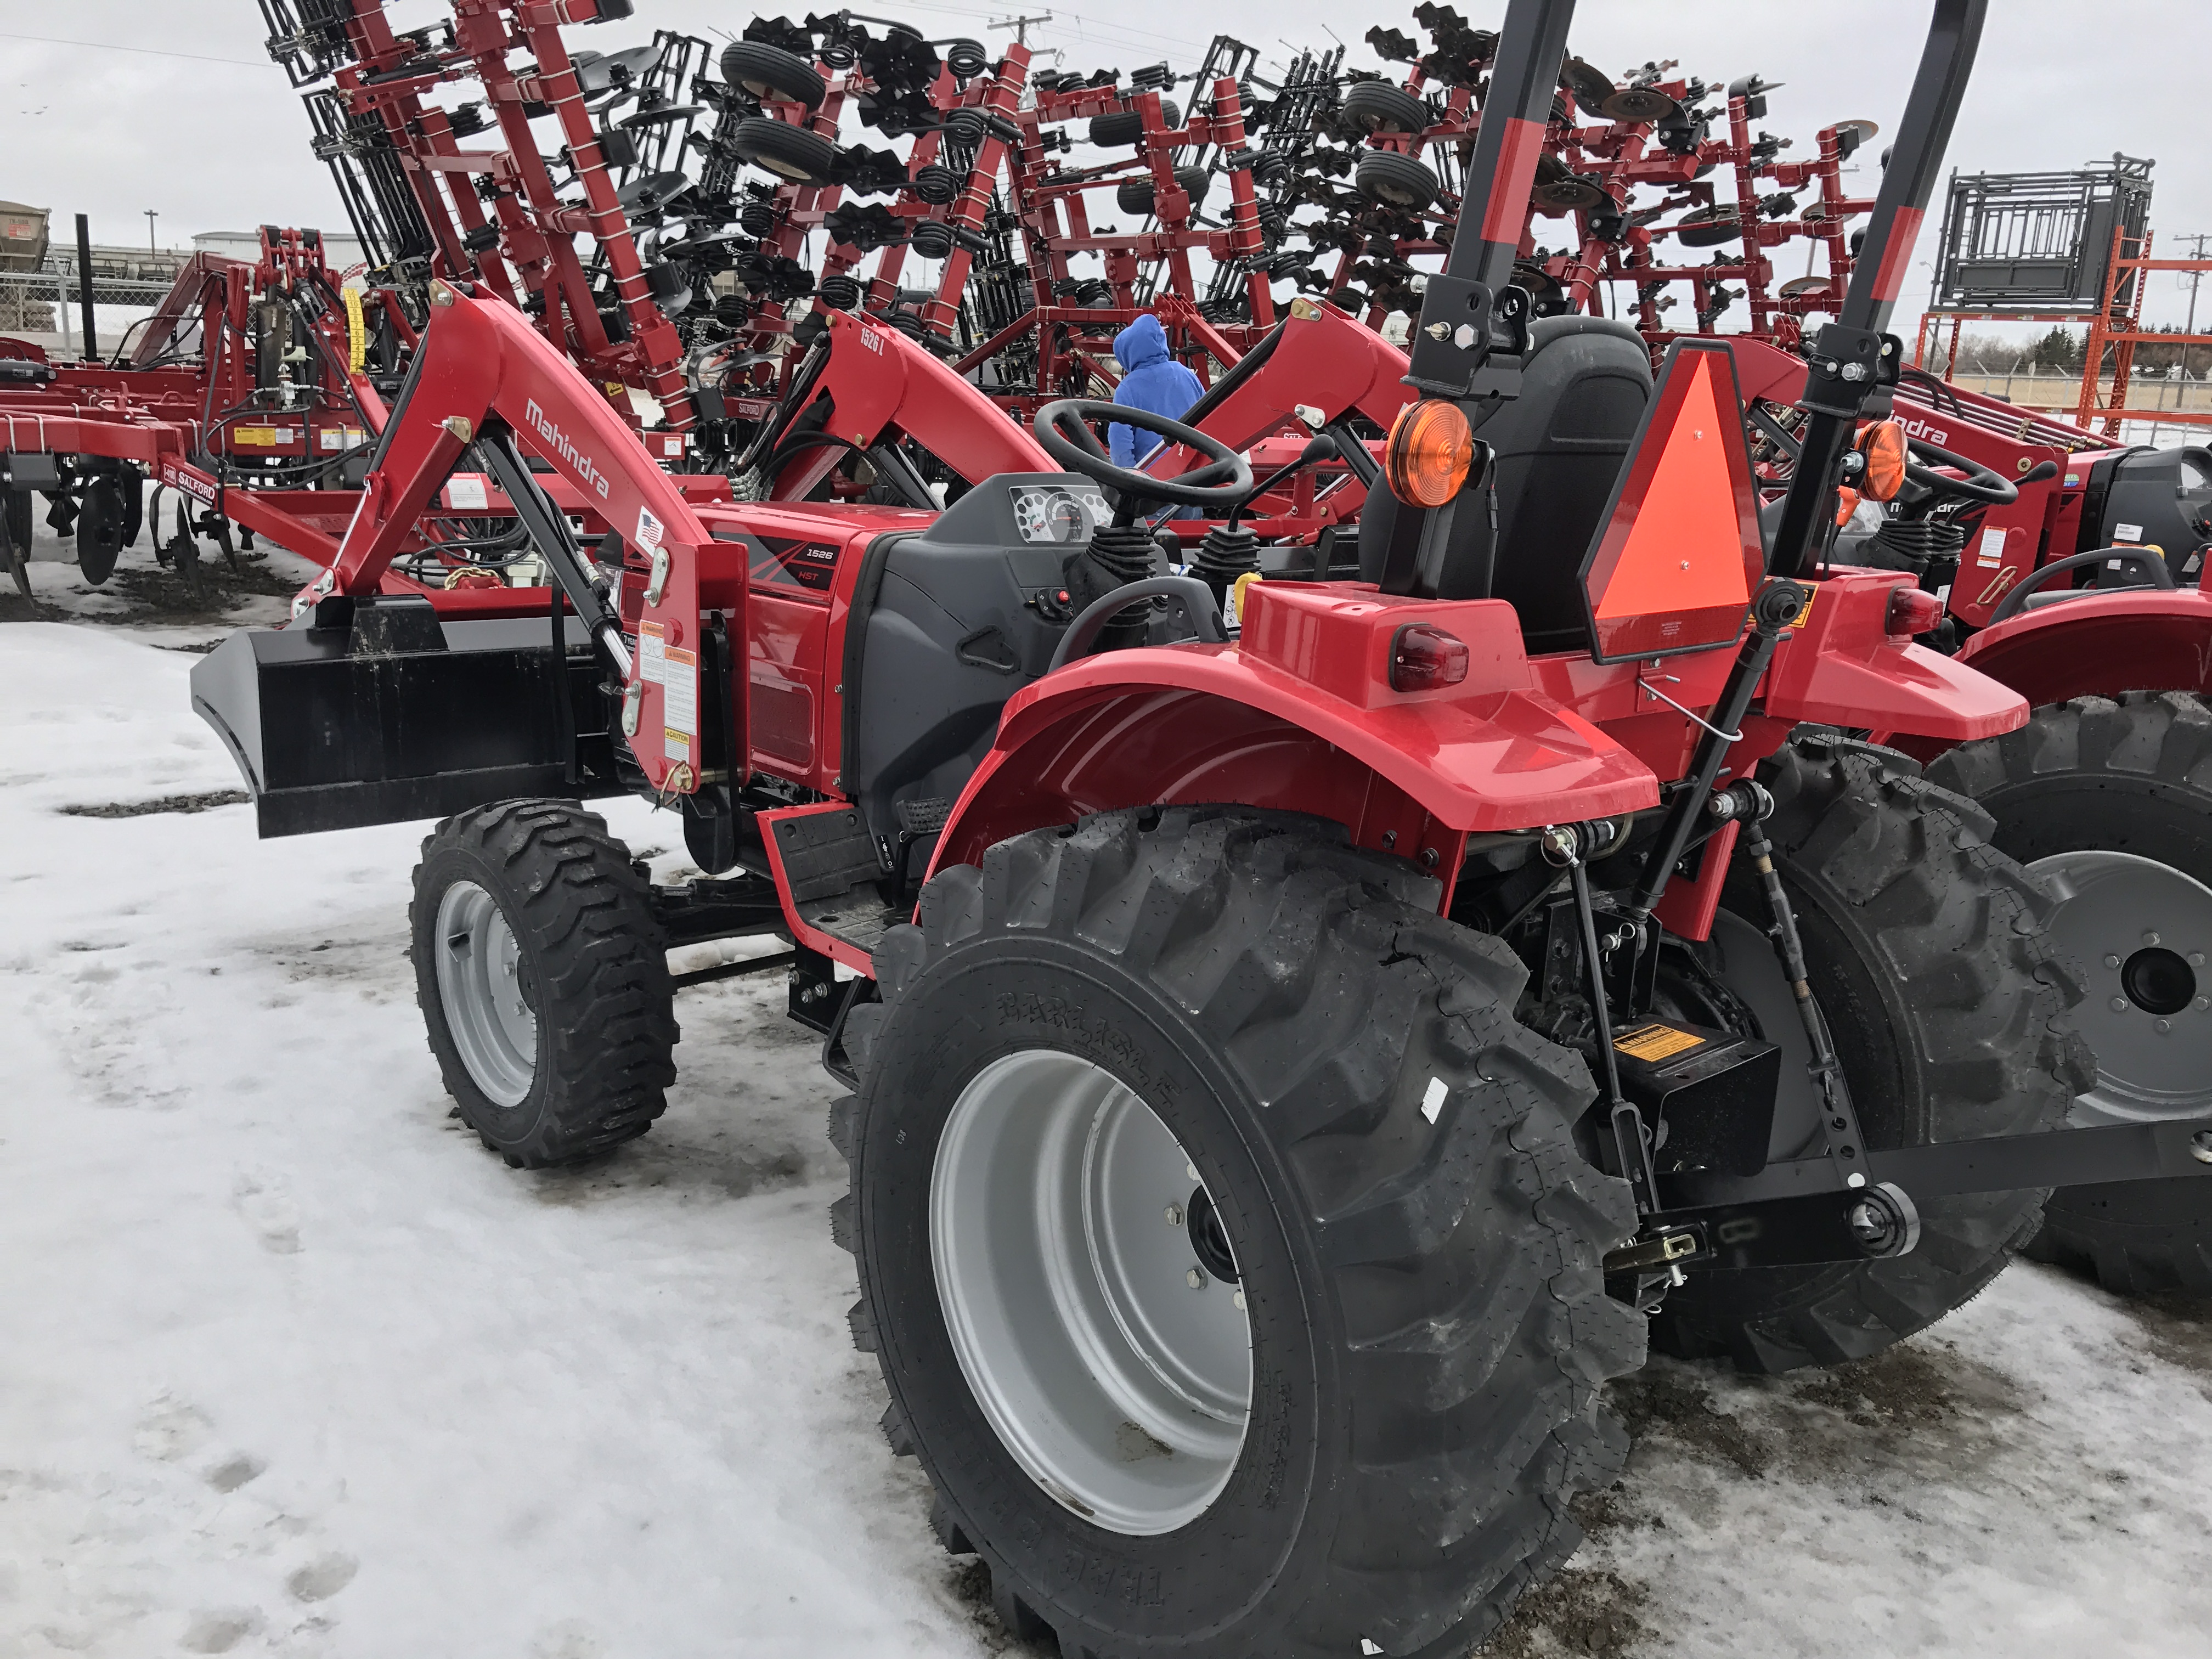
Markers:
176,107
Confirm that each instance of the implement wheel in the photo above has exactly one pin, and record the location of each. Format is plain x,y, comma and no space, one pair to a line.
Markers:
1225,1245
797,154
2110,801
1398,181
770,72
1378,106
543,981
1925,948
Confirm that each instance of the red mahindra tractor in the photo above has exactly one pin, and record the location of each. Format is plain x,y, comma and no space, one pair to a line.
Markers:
1291,1073
2071,567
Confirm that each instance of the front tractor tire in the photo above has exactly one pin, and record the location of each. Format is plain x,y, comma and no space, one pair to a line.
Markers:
1225,1245
1924,946
544,984
2110,801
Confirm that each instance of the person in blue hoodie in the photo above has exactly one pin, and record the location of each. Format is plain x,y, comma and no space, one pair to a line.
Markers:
1151,380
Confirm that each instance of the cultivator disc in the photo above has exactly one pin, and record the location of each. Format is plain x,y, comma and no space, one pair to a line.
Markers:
100,530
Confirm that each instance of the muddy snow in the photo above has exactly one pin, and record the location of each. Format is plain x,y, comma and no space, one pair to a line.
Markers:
291,1366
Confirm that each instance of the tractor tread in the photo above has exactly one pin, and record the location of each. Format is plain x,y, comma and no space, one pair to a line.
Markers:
1476,1334
2137,768
1865,841
605,999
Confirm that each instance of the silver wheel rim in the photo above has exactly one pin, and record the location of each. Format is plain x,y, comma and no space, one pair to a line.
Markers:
2140,933
1058,1228
480,992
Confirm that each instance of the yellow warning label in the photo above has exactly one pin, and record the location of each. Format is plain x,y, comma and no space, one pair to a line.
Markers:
1650,1042
1805,615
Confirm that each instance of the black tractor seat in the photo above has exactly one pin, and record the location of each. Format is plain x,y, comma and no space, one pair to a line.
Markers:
1559,447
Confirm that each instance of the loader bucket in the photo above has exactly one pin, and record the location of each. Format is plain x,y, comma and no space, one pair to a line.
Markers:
389,714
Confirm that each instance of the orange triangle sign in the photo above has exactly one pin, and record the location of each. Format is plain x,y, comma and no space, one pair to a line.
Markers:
1679,554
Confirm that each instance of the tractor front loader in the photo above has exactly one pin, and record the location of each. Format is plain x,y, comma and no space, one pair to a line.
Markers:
1288,1073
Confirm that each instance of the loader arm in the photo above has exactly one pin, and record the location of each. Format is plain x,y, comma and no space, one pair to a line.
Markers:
876,385
1320,365
483,377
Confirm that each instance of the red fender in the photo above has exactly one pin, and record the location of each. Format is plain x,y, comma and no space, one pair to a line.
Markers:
2100,644
1300,716
1841,667
2136,639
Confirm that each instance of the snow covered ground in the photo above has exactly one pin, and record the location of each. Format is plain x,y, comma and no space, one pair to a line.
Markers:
289,1365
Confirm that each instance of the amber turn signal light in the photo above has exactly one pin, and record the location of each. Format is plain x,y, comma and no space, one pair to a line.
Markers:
1423,658
1883,445
1429,452
1910,611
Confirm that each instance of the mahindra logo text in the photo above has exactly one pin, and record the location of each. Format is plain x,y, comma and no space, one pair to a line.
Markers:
1934,434
587,470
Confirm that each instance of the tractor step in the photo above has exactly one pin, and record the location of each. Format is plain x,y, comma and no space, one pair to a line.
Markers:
857,917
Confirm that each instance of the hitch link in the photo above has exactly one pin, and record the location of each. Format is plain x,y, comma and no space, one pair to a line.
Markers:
1662,1250
1566,843
1840,1123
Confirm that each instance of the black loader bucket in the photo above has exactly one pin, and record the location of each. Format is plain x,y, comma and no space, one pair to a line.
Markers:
379,714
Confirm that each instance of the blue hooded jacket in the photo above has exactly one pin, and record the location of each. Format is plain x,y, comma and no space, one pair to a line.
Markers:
1151,380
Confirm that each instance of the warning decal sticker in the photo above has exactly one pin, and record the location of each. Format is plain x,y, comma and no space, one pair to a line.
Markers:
1655,1042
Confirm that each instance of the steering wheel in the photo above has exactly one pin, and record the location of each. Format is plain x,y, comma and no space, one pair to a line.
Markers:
1063,431
1981,485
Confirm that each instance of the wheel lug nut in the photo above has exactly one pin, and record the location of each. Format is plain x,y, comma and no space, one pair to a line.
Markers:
2119,1005
1175,1215
2111,961
1195,1280
2149,937
1238,1298
2197,959
1191,1170
2164,1026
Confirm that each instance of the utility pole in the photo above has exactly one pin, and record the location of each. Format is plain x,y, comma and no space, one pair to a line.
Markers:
2195,276
1019,25
151,215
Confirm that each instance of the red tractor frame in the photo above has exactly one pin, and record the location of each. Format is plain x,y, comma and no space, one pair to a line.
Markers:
1290,1072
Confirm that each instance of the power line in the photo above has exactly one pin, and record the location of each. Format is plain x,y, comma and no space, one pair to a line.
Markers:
1077,18
1019,25
150,52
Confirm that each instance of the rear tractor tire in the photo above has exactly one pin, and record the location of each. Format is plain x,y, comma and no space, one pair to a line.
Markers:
1225,1245
1924,946
2110,801
543,981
